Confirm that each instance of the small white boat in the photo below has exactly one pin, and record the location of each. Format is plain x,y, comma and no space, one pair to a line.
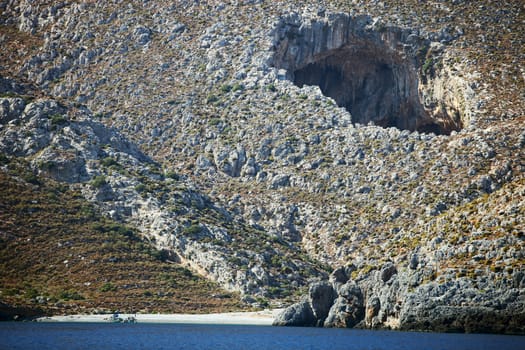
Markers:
115,318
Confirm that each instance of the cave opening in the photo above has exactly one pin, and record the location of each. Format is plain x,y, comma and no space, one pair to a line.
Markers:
367,73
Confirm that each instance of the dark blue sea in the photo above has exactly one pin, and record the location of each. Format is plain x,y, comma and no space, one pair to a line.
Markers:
70,336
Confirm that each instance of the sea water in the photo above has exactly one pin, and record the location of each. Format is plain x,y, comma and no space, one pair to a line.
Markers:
33,335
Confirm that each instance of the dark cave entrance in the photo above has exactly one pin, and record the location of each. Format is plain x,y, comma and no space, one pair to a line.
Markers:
373,88
365,73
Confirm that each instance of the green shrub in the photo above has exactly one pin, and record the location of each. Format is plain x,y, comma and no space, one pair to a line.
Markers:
274,291
31,293
262,302
238,87
108,287
115,228
140,188
8,94
212,99
427,66
172,175
109,161
58,119
87,212
214,121
271,87
226,88
3,159
70,295
193,229
10,292
31,178
98,181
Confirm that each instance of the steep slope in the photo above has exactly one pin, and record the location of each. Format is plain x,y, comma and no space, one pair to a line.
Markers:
64,145
349,133
60,259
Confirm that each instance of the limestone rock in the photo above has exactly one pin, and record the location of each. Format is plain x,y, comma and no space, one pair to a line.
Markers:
388,270
436,307
297,315
10,108
348,308
317,51
321,297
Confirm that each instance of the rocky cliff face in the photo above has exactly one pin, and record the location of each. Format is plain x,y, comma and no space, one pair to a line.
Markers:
381,74
261,143
390,299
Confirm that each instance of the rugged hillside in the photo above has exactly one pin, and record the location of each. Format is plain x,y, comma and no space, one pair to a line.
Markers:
58,258
263,143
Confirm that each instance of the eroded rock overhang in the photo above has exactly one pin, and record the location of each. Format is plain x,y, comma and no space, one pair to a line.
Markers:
385,75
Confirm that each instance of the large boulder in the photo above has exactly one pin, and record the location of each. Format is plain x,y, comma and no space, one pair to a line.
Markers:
297,315
321,296
62,164
341,275
348,309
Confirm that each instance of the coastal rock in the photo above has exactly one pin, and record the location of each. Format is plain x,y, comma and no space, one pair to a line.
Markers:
370,303
298,315
348,308
321,298
438,308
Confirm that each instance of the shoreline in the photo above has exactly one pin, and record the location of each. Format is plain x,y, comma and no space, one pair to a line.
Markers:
256,318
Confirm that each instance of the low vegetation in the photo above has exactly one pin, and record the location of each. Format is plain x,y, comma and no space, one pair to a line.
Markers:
69,259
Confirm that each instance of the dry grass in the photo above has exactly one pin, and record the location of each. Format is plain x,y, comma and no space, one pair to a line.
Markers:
54,247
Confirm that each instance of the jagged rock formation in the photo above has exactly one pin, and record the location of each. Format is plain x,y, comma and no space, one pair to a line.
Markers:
391,300
231,153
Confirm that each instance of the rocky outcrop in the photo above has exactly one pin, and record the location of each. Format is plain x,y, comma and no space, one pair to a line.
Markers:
348,308
321,298
297,315
374,301
10,108
456,307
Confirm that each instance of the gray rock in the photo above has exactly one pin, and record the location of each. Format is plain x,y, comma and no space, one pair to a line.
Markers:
339,276
373,305
10,108
280,180
452,307
348,309
414,261
388,270
65,166
43,109
202,162
142,35
321,297
298,315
